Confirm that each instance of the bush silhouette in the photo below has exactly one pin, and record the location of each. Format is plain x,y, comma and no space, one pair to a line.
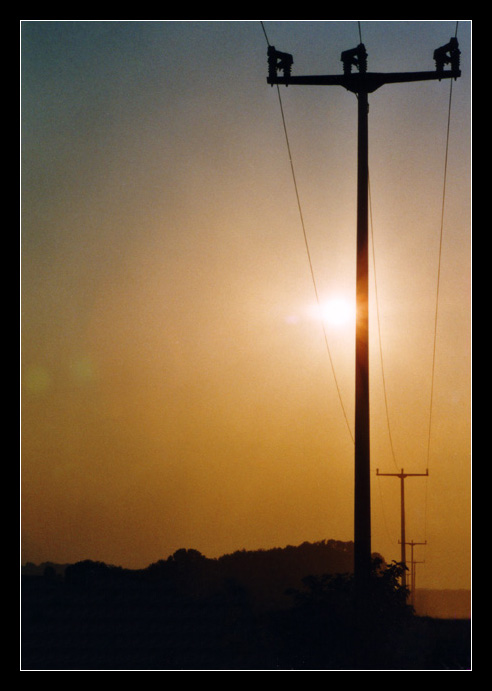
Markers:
332,627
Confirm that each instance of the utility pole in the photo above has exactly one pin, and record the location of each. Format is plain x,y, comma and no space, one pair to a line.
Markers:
412,544
361,83
402,477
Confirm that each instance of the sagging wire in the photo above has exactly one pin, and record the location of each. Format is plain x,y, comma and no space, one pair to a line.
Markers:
306,243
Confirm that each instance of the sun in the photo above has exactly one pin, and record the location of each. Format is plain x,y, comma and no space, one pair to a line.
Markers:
337,311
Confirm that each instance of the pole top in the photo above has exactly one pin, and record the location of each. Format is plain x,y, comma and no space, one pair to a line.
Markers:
362,81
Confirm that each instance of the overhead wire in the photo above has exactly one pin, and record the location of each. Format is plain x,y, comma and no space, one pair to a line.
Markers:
306,244
376,296
378,320
381,359
441,233
436,313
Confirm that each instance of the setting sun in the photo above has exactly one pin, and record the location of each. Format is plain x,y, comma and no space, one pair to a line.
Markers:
337,311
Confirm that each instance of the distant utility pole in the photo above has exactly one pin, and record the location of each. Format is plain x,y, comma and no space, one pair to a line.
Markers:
412,544
402,477
362,83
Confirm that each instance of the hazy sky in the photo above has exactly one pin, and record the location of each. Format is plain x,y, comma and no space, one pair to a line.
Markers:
176,386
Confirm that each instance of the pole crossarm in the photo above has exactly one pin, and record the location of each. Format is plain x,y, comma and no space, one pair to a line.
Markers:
413,544
402,475
362,81
368,82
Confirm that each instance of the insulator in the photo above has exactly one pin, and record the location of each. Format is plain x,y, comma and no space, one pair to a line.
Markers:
278,61
448,55
356,57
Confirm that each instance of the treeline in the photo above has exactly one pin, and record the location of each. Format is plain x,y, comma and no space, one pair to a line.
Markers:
278,609
265,574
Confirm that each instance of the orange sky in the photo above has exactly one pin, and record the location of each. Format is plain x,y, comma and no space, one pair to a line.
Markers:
176,389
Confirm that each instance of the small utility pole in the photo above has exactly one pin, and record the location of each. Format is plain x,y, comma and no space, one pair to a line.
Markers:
362,83
412,544
402,477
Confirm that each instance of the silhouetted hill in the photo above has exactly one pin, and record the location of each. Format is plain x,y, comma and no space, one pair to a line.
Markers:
30,569
191,612
268,574
265,573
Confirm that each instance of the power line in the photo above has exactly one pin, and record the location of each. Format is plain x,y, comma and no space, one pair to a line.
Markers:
264,31
382,510
306,243
439,266
379,333
431,404
437,289
377,311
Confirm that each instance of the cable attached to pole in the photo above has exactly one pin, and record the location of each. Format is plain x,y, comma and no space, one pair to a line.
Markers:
439,266
306,243
390,436
434,347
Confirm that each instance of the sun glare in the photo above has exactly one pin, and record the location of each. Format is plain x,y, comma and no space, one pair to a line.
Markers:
337,311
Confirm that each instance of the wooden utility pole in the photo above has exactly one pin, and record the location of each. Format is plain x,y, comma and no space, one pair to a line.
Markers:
402,477
362,83
412,544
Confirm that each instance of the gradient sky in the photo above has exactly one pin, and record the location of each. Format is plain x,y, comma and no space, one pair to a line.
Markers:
176,387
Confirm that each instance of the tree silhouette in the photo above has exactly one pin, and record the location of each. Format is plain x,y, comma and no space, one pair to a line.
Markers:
331,626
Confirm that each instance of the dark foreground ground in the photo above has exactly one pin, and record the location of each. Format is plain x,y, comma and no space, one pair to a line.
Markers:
135,626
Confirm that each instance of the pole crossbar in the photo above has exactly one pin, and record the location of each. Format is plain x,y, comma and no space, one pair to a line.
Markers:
368,82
